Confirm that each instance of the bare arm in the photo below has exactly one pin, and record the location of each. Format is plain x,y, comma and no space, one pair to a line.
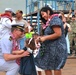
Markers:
57,33
69,27
18,52
9,57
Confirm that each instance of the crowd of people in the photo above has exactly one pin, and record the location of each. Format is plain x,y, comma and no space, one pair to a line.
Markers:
69,21
27,53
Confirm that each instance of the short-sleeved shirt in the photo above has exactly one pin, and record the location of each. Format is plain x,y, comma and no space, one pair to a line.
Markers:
22,22
5,26
5,47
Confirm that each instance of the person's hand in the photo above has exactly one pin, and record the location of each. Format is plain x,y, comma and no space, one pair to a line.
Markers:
26,53
18,52
40,39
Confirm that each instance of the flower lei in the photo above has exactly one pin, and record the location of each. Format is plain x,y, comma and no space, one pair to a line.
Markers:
15,47
47,23
7,16
43,46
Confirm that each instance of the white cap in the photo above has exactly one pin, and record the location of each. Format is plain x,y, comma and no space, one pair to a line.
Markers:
9,9
14,24
19,26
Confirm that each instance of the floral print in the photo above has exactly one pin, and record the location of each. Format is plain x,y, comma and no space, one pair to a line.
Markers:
53,53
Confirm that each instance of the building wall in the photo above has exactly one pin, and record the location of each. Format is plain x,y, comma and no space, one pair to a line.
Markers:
14,4
75,5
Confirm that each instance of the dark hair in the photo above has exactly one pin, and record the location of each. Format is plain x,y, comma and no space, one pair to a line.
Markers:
73,16
60,17
31,45
20,11
13,14
13,28
45,9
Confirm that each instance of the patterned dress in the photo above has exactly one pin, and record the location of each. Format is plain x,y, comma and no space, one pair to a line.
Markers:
53,53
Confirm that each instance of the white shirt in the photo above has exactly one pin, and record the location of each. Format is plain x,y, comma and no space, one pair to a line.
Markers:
5,47
22,21
5,27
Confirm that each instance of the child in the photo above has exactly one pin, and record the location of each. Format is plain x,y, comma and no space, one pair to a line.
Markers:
27,66
36,52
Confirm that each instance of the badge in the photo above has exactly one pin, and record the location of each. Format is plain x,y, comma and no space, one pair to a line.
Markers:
10,38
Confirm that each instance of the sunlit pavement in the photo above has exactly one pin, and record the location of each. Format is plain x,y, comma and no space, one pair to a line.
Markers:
69,69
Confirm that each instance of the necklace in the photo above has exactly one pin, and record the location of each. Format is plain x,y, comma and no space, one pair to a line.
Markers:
44,26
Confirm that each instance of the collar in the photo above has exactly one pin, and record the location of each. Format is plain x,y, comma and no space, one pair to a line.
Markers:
12,36
7,16
30,50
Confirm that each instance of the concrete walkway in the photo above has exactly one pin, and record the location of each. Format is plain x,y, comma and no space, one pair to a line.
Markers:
69,69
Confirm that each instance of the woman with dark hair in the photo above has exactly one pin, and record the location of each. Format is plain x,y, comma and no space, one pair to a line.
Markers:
53,51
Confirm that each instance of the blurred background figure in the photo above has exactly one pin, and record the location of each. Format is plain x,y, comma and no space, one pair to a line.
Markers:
67,29
19,19
6,22
39,70
30,31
